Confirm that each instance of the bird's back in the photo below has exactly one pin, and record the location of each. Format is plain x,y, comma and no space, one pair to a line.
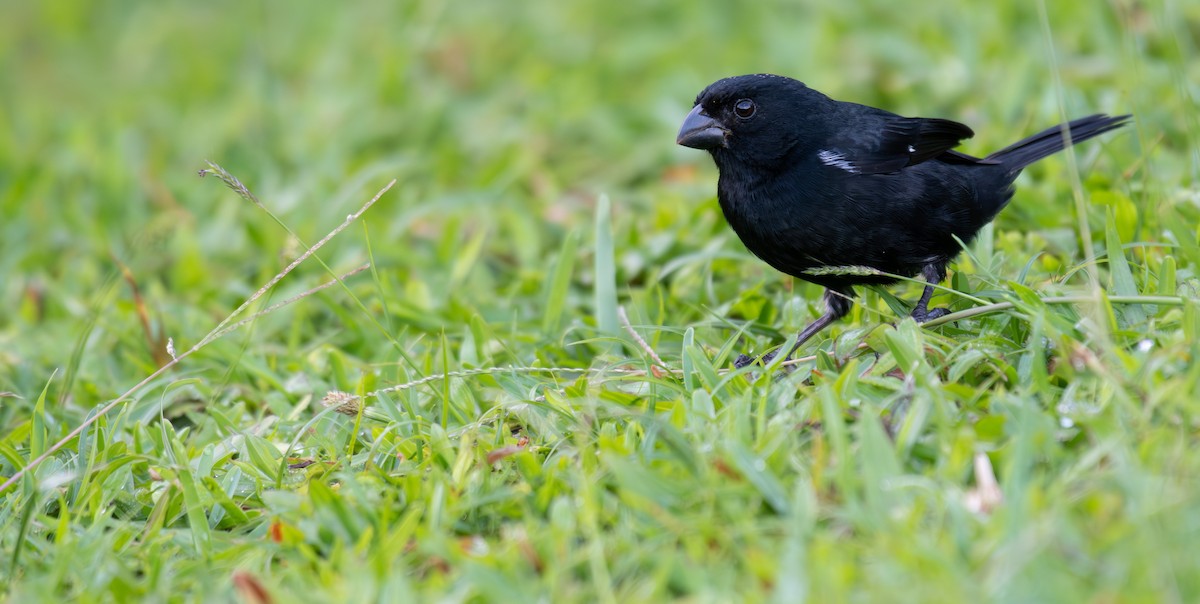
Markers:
819,214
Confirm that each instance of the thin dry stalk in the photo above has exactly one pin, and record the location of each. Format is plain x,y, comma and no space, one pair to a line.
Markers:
465,373
637,338
301,258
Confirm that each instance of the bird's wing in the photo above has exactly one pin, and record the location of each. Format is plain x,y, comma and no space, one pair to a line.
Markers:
892,143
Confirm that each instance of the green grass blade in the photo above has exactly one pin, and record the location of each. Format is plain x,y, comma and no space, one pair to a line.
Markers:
1121,281
38,432
558,286
605,286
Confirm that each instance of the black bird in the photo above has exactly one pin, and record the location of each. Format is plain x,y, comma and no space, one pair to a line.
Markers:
823,189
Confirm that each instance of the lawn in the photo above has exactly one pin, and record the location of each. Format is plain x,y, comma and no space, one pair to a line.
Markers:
529,394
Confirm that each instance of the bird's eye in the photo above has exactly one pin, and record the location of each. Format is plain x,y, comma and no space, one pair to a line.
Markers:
744,108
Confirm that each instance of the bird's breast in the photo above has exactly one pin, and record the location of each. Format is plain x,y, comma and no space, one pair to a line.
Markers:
784,226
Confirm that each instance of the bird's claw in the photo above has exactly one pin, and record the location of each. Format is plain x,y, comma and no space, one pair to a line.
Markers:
743,360
921,315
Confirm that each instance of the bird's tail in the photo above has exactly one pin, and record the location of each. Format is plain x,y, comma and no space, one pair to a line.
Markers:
1052,140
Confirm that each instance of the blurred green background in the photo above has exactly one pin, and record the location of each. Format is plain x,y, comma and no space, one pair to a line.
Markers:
503,122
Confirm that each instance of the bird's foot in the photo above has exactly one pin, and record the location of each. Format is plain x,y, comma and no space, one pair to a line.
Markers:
921,315
743,360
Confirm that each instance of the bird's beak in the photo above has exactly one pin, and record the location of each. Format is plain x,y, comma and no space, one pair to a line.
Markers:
699,131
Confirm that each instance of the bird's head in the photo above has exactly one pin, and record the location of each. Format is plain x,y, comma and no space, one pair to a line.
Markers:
754,119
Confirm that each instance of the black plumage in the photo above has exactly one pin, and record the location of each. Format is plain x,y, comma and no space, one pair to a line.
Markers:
814,186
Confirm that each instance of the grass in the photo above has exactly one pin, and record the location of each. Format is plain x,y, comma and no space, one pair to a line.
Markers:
537,364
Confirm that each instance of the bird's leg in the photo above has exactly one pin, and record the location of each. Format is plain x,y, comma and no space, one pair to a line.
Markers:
922,313
837,304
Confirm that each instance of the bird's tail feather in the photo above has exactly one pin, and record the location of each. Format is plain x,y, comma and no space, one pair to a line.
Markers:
1052,140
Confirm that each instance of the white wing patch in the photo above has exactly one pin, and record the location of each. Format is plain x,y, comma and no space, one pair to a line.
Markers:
837,160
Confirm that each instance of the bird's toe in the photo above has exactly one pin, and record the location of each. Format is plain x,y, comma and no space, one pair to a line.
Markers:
743,360
922,315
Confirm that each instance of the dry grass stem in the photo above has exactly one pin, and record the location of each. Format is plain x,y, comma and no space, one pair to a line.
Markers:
637,338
